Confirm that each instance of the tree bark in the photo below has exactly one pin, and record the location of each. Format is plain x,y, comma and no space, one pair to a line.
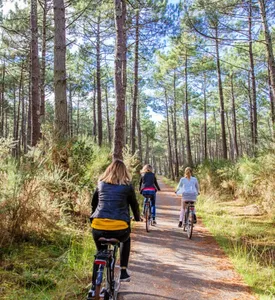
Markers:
70,111
253,81
35,75
205,116
134,108
108,117
98,81
139,134
172,175
61,119
120,77
43,60
175,130
187,130
236,148
251,115
272,104
94,111
224,147
3,101
268,42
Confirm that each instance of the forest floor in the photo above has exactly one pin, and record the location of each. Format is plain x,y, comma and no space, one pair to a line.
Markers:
165,264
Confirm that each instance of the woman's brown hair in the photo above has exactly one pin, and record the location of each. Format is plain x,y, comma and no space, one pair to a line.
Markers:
116,173
188,172
146,168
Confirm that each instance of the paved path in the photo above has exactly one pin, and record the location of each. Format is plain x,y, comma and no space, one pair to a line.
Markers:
165,264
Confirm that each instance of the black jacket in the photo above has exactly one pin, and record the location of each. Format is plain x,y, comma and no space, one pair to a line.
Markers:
112,201
147,180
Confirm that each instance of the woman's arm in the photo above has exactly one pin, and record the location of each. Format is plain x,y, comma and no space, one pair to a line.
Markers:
156,183
132,200
140,183
94,202
197,186
179,185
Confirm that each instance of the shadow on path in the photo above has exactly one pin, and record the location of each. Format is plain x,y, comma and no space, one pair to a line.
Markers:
165,264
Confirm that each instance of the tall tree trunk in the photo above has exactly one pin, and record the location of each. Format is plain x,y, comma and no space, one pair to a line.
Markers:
139,134
205,116
94,111
14,150
268,42
253,81
29,108
108,117
224,147
251,115
2,104
20,92
175,129
147,150
23,121
98,80
77,116
172,175
35,75
216,152
231,144
272,104
61,119
236,149
187,130
70,110
120,77
43,60
134,110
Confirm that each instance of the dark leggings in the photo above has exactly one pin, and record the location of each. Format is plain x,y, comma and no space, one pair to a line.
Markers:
122,235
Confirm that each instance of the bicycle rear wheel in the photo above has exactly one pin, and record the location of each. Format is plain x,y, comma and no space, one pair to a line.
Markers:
100,279
190,224
147,218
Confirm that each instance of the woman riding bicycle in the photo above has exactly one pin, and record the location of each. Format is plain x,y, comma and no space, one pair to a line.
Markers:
188,187
148,185
110,210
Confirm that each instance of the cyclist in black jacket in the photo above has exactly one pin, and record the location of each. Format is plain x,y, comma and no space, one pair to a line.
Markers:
110,210
148,182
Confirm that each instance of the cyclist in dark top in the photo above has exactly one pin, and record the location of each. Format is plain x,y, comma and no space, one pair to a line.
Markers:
148,183
110,210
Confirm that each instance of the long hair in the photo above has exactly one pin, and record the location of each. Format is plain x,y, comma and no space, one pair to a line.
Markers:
146,168
188,172
116,173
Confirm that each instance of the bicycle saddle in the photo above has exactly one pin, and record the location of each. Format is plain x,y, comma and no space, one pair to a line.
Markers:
112,241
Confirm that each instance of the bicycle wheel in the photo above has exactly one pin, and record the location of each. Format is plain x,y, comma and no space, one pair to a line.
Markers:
147,218
190,223
116,281
101,275
185,220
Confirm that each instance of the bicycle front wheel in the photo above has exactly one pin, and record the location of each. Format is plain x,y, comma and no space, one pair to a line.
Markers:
147,218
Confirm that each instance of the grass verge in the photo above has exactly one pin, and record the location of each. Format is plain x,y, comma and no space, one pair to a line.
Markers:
56,267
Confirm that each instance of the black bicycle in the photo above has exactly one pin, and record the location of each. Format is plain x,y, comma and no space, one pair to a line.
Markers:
106,275
189,218
147,211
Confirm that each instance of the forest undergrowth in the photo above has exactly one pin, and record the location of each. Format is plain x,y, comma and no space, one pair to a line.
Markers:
237,206
46,248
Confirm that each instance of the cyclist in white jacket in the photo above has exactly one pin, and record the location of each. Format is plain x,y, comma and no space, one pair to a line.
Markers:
188,187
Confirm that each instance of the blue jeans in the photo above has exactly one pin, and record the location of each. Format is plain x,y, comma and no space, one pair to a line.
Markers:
153,202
